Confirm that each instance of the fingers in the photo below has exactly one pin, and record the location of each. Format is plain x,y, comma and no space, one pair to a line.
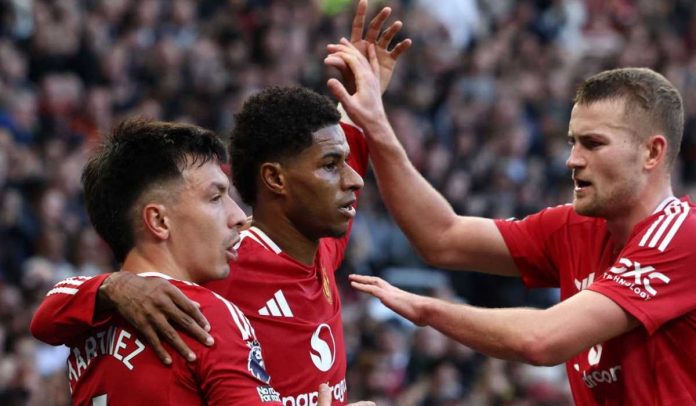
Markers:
389,34
364,279
347,53
372,58
336,62
358,21
191,318
376,25
400,48
154,341
169,334
324,395
339,91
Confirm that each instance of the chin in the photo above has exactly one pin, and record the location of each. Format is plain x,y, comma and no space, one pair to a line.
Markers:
337,232
590,209
223,272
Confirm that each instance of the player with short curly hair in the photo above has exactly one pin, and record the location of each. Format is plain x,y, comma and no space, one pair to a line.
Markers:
261,134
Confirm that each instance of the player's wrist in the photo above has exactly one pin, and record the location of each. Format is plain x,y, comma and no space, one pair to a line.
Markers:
105,293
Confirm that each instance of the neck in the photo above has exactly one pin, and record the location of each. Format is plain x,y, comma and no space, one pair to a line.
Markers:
147,258
284,233
621,226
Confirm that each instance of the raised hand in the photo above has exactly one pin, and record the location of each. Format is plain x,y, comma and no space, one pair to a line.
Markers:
152,305
364,106
387,58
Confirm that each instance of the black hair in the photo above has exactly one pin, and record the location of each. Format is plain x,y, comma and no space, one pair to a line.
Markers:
137,155
273,125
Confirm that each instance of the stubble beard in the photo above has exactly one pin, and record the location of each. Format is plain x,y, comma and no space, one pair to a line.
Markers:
617,203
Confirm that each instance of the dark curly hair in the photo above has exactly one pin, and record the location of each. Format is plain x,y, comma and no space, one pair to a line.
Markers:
136,156
274,124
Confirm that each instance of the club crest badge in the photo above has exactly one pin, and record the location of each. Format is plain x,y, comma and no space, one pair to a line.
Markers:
326,285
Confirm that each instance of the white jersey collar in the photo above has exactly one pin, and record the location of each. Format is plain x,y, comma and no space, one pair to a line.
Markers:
669,200
260,237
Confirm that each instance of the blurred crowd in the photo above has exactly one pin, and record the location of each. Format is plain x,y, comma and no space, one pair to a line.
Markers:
481,102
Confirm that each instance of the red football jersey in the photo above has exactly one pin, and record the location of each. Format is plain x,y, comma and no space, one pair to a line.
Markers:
294,308
111,364
649,278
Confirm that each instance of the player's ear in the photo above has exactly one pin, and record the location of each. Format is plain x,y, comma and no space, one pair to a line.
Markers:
656,151
156,220
273,177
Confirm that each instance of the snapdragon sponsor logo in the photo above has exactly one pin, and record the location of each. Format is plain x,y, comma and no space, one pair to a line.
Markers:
338,393
638,278
323,345
594,378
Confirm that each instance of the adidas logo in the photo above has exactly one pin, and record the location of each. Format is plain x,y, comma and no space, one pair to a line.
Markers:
276,306
585,283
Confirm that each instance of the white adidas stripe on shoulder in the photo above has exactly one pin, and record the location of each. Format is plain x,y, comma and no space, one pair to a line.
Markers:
260,237
64,286
662,230
67,291
239,318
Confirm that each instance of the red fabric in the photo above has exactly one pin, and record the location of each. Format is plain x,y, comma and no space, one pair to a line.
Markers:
301,351
114,361
648,278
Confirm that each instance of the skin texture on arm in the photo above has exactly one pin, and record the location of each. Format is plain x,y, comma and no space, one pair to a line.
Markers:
153,306
539,337
441,237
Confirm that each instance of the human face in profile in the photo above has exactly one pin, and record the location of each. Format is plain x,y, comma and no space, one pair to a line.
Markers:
205,223
322,187
605,159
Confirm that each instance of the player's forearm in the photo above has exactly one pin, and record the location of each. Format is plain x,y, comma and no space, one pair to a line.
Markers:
416,206
420,210
519,334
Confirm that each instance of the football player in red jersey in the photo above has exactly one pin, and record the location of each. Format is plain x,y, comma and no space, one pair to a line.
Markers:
622,253
291,164
157,194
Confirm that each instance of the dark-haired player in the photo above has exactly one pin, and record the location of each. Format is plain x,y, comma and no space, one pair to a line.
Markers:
157,194
300,171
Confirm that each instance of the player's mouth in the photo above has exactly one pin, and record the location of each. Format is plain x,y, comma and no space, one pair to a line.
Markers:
347,208
231,251
581,185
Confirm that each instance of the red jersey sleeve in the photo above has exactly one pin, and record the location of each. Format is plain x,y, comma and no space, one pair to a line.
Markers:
651,278
232,371
534,241
67,312
359,161
359,158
